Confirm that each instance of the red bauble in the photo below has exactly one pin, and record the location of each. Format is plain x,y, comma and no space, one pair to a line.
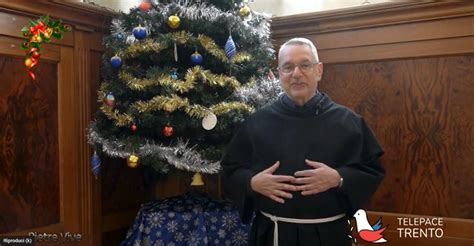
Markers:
168,130
36,54
133,127
145,5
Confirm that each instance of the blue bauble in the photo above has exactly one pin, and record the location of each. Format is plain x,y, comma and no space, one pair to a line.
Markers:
139,32
120,36
196,58
230,49
174,74
115,61
95,164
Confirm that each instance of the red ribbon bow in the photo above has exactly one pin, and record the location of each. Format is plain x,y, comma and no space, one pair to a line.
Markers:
38,27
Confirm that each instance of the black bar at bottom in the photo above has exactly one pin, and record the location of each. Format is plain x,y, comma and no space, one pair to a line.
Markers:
17,241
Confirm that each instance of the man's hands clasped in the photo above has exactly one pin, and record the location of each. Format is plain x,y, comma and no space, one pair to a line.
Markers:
319,178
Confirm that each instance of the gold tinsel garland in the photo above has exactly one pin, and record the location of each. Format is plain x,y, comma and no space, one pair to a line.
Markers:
183,37
171,104
181,85
137,48
119,118
140,84
225,107
168,104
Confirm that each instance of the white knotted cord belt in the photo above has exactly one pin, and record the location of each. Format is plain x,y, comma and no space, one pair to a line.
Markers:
275,220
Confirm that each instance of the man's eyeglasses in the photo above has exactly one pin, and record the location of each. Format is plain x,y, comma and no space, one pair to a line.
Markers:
304,67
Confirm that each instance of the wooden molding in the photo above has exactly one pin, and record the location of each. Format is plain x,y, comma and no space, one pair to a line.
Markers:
83,96
69,11
384,31
369,16
453,46
11,46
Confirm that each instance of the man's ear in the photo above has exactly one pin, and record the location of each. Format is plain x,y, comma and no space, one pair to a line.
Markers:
319,69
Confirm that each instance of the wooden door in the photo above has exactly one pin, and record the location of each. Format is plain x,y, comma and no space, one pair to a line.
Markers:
38,154
46,185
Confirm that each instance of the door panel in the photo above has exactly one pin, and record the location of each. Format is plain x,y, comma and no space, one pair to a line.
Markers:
29,164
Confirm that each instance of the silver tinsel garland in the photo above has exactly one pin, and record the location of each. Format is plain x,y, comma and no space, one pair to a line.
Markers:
179,155
263,92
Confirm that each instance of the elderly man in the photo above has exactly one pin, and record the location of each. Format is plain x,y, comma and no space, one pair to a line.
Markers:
303,164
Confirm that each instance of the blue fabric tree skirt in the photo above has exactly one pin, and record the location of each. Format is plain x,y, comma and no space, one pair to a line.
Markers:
189,219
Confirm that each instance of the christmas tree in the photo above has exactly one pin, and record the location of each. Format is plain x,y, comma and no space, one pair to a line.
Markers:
177,79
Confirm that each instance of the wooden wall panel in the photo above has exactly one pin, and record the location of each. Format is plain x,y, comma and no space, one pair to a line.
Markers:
418,109
28,134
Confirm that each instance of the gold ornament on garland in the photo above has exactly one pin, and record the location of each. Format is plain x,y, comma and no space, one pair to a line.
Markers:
132,161
244,11
174,21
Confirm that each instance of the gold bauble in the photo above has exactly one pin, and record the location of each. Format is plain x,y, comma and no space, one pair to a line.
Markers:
28,62
174,21
244,11
132,161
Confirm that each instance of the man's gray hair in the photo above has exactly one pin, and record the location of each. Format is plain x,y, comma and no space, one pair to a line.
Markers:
300,41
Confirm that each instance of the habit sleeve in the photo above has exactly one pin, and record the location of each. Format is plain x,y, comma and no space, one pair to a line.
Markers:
237,173
362,178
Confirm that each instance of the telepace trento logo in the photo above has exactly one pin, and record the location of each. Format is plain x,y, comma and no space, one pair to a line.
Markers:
367,232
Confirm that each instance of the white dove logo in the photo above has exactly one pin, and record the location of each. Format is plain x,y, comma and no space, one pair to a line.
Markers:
369,233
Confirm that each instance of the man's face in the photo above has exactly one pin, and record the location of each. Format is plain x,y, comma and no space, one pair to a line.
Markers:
301,83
